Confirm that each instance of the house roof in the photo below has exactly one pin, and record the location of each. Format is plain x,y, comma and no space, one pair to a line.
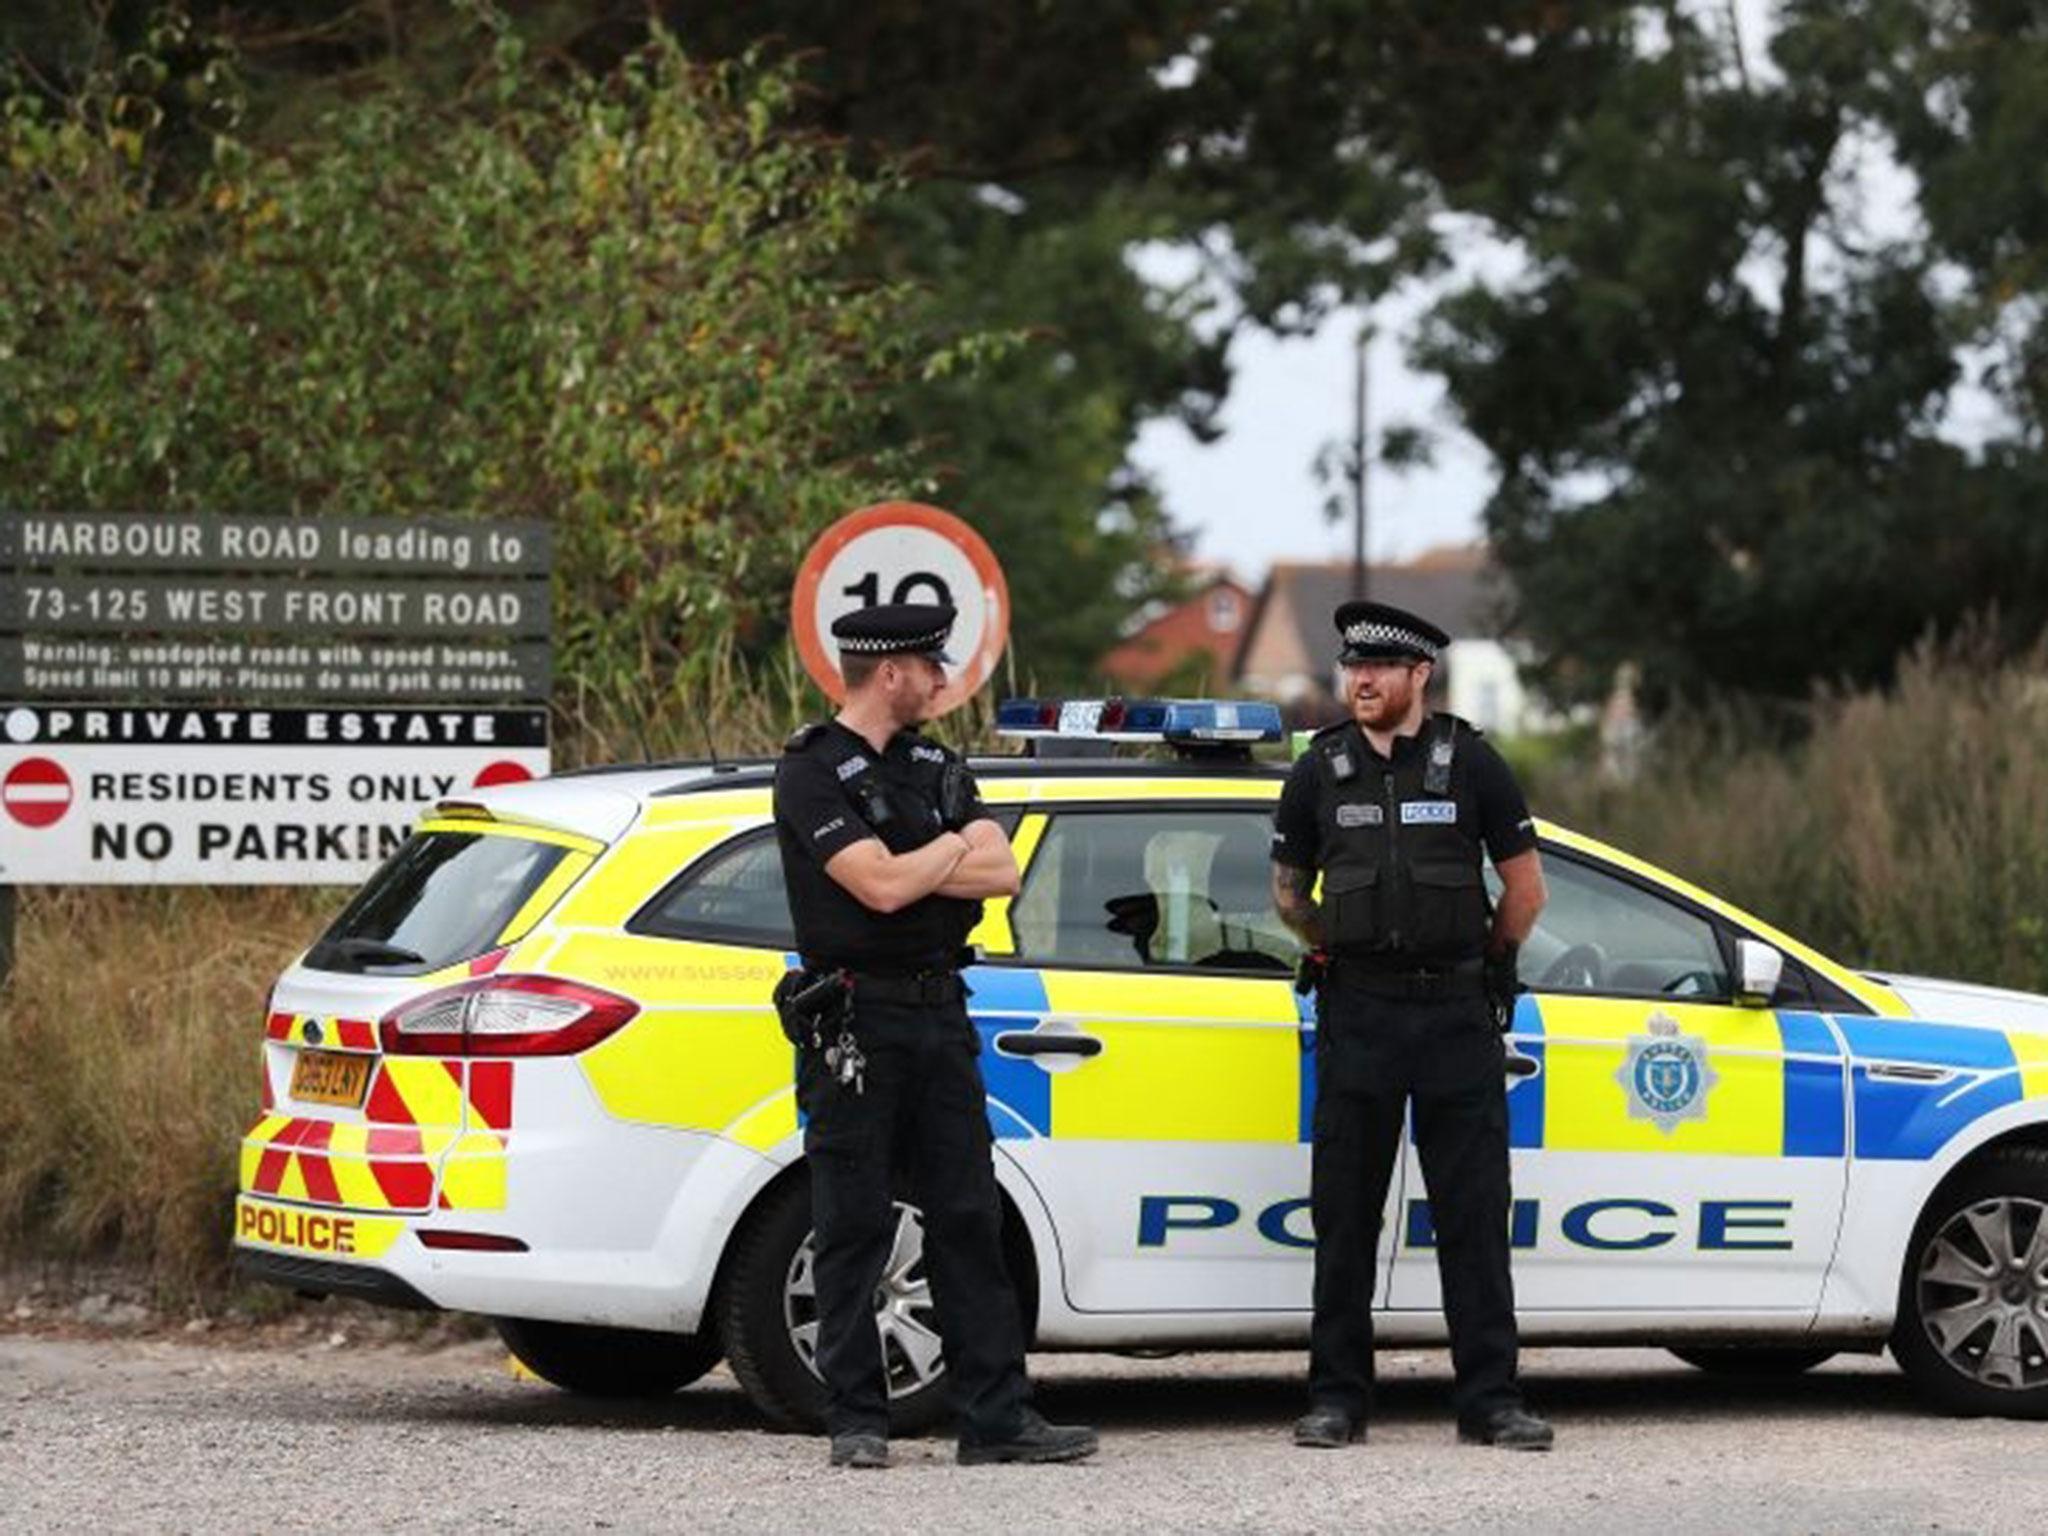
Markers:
1453,587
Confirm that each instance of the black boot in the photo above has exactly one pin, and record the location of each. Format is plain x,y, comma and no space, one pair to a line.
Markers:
1326,1427
859,1450
1035,1440
1513,1428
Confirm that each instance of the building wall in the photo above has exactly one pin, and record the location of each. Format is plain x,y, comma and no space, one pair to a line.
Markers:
1212,623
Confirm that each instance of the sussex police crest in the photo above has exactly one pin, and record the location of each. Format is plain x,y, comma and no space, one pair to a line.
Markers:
1665,1074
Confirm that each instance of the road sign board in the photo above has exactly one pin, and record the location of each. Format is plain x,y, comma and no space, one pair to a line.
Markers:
903,552
36,792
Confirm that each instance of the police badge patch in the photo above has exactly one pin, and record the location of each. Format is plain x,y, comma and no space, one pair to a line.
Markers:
1665,1074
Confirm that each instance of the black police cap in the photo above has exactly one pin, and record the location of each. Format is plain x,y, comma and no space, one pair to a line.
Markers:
1380,631
896,629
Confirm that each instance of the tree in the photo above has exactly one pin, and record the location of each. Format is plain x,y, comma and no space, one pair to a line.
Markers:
1716,409
618,303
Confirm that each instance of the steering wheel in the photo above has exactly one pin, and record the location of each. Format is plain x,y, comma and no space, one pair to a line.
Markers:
1581,968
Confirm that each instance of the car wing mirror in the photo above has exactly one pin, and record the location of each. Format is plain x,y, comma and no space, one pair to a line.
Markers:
1758,968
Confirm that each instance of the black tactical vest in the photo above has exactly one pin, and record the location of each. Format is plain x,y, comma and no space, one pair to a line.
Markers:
897,796
1399,847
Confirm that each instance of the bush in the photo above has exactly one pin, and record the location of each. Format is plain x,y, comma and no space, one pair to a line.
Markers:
615,303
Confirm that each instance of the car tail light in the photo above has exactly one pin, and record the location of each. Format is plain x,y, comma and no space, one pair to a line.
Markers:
504,1016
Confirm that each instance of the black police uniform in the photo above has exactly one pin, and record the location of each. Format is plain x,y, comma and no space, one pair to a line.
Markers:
920,1108
1403,1018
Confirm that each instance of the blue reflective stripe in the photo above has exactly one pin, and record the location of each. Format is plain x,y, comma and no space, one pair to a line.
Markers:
1913,1121
1019,1091
1526,1094
1305,1017
1814,1112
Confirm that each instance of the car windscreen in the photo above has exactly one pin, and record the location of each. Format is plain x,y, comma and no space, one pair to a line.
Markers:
443,897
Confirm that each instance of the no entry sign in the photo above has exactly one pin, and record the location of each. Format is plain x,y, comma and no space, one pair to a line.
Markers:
36,792
903,552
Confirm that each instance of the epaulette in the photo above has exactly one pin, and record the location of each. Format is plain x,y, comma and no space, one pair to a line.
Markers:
803,736
1330,730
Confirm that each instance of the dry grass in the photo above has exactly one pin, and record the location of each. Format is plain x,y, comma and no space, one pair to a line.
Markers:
1909,830
131,1031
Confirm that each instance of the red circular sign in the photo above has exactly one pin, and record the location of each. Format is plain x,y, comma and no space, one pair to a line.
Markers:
903,552
503,771
36,792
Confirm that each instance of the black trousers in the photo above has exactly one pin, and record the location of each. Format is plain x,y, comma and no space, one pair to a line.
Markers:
919,1125
1375,1055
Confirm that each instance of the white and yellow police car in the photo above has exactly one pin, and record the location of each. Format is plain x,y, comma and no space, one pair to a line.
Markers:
531,1072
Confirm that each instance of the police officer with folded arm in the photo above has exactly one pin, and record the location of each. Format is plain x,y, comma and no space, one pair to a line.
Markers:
887,854
1415,973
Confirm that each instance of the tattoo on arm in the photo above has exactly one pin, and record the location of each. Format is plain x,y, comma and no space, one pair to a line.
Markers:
1297,908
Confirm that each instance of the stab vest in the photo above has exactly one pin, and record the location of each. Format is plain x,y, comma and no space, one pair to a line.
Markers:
1399,847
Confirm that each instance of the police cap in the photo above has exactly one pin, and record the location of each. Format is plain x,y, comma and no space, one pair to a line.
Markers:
1380,631
896,629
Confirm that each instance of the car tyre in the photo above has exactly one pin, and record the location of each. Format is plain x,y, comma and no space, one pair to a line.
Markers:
608,1362
1972,1327
1752,1359
768,1260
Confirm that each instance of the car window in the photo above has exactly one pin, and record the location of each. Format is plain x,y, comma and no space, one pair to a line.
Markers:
1600,933
443,897
1153,888
733,896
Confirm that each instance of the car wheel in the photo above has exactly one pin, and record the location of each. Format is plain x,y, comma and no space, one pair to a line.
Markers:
1752,1359
608,1362
768,1316
1972,1330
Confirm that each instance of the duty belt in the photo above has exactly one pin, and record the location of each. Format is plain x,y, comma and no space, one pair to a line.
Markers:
1458,978
926,989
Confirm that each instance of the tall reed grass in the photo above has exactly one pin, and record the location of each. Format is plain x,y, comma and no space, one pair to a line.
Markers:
1906,830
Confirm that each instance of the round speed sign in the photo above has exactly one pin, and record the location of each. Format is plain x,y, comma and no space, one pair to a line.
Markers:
903,552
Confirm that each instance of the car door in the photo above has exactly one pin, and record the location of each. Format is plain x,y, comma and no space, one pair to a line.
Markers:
1149,1021
1672,1150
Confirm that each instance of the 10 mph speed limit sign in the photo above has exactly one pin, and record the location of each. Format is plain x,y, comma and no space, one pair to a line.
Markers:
903,552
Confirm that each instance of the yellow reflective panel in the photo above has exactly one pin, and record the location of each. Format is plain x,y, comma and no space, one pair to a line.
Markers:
705,1051
1880,998
473,1178
2031,1052
993,935
646,861
522,830
1587,1101
1184,1058
755,804
544,897
769,1125
1145,791
260,1224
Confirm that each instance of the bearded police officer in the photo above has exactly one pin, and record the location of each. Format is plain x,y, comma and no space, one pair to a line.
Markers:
887,854
1415,975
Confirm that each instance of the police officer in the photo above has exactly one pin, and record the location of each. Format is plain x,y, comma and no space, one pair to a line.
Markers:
1395,807
887,853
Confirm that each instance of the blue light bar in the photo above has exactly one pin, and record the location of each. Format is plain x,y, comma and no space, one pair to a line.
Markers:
1173,720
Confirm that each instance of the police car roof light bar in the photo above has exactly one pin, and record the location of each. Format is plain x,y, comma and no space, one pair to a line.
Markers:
1182,723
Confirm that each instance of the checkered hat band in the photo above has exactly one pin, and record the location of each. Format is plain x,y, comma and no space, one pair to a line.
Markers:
1383,635
880,647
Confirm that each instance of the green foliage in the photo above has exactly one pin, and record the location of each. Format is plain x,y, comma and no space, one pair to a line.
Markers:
614,302
1716,406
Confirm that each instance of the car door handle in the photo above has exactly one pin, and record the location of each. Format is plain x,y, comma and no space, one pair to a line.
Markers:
1518,1065
1019,1042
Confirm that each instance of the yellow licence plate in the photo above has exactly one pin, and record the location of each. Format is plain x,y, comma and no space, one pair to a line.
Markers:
329,1077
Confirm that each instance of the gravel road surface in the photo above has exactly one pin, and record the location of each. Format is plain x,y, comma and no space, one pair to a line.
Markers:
176,1435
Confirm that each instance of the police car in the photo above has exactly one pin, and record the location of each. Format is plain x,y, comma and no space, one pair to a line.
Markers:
531,1072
